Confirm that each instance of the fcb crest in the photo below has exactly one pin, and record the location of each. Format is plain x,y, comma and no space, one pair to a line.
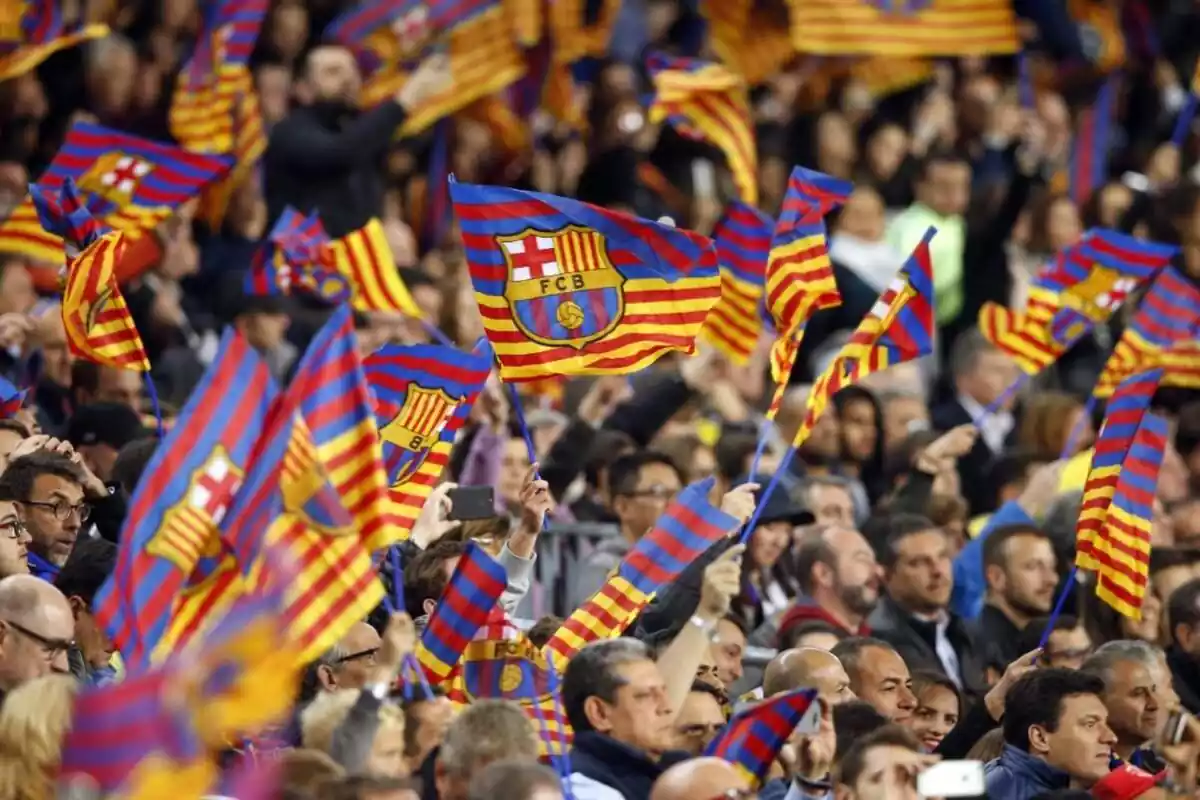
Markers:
562,288
116,177
189,527
1099,294
415,429
11,17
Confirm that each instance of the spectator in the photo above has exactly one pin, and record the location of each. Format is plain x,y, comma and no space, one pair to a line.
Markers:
518,780
839,579
346,665
820,635
369,787
426,720
808,668
728,647
878,675
36,630
426,576
332,711
33,722
830,499
487,732
90,564
1129,670
131,464
99,431
94,383
1183,615
14,540
1019,568
768,583
12,431
48,489
939,706
303,770
700,777
700,719
882,764
1067,646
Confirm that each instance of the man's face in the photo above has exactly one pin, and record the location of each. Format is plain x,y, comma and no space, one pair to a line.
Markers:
921,579
265,331
884,682
830,680
859,431
120,386
35,644
332,76
93,642
831,505
699,720
361,644
386,758
1131,697
432,718
991,375
54,514
727,652
656,486
856,573
901,416
1068,648
1028,580
16,288
889,773
1082,744
640,715
706,671
946,187
14,540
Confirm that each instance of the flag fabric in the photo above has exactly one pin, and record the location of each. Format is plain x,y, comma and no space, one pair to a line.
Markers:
126,182
189,483
1167,316
754,41
753,738
568,288
1088,169
1095,547
899,328
472,592
708,102
98,324
11,399
1083,286
1181,364
688,527
365,259
423,397
743,240
294,258
904,27
1102,30
32,30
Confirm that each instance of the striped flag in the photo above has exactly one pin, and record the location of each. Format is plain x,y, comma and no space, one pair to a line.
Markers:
364,258
294,257
422,398
1088,168
175,512
472,593
708,102
11,399
743,240
753,738
32,30
569,288
899,328
1167,316
1181,364
127,183
754,41
904,27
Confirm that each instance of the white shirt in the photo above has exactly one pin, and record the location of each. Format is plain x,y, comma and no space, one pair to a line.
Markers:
943,648
993,428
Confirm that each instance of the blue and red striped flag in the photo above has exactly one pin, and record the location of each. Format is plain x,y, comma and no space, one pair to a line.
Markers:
1167,315
753,738
32,30
710,103
188,485
296,256
423,397
470,596
1089,148
126,182
11,399
743,240
567,288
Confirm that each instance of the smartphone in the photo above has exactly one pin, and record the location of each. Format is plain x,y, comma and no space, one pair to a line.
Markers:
952,779
472,502
1172,732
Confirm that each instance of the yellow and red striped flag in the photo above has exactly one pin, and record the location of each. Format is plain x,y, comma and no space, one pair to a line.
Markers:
711,103
743,240
32,30
365,259
904,27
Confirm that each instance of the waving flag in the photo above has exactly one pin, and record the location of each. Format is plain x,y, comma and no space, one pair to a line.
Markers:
1167,316
1181,364
1089,149
125,182
753,738
904,27
899,328
753,40
364,258
710,103
423,396
188,485
569,288
31,31
472,592
295,257
1084,285
743,240
11,399
688,527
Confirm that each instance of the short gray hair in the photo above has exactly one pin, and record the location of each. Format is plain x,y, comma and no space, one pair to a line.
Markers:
310,683
592,672
485,732
1107,655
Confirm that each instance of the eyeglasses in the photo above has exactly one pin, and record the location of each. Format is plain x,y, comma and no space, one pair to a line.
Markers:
61,509
369,655
13,530
50,647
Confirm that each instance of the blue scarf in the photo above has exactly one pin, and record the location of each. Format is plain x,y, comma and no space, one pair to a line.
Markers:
41,568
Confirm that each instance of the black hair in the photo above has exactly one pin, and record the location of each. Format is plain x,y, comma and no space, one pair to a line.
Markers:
16,483
1183,607
850,649
414,277
91,562
425,575
1166,557
606,448
853,763
852,721
131,463
994,546
941,155
789,637
1037,699
703,687
624,472
1031,635
898,528
733,450
813,549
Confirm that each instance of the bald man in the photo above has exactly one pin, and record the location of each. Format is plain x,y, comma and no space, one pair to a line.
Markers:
37,629
808,668
699,778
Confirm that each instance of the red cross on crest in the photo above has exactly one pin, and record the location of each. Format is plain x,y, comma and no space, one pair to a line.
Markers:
214,488
532,258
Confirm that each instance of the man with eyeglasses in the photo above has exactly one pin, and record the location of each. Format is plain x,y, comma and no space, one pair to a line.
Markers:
49,491
350,663
14,540
37,630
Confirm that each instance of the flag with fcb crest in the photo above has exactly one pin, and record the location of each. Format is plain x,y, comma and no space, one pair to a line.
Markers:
126,182
470,596
295,257
423,396
743,240
364,258
32,30
1082,287
569,288
182,498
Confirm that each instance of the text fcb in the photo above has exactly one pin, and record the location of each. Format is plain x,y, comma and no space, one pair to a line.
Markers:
562,288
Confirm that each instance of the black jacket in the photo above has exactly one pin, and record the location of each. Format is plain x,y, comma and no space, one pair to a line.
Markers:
1001,637
1186,674
914,640
317,158
974,469
619,766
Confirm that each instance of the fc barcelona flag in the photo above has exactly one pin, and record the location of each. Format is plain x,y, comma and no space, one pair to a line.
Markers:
710,103
472,593
364,258
754,737
568,288
295,258
743,241
423,395
32,30
127,183
904,27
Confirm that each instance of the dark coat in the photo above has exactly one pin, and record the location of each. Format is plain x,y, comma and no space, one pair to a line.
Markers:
914,640
1016,775
619,766
974,469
